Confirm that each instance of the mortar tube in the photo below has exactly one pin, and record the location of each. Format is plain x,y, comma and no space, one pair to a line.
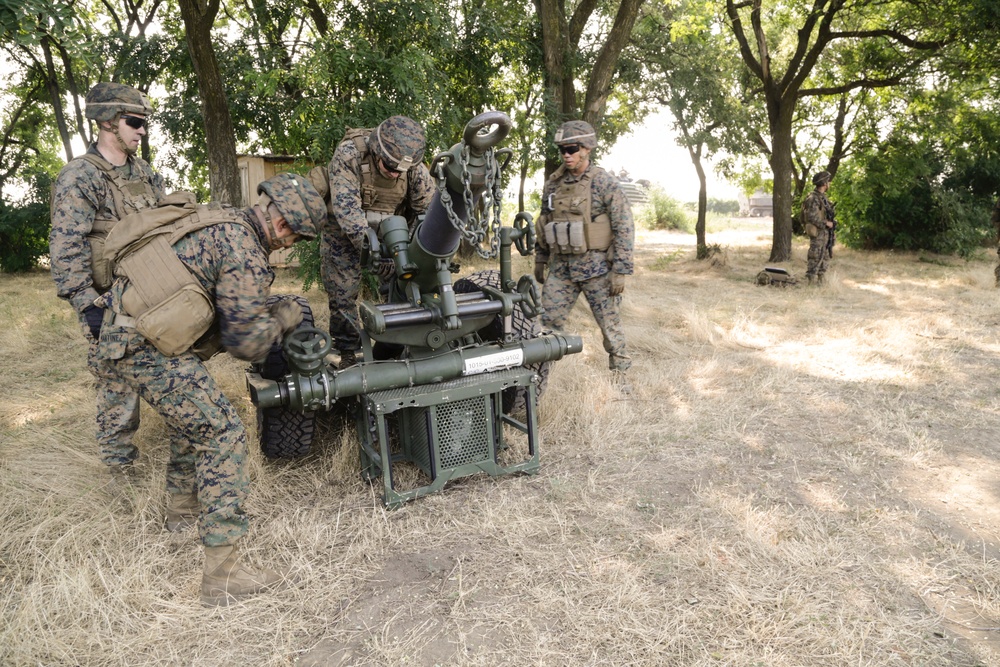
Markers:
322,389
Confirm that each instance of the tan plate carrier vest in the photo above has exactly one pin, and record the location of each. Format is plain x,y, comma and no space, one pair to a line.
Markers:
568,228
170,306
380,196
129,196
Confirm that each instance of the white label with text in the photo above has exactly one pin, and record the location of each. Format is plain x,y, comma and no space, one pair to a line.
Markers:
492,362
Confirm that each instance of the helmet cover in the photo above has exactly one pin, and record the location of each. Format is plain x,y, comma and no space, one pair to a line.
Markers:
297,201
107,100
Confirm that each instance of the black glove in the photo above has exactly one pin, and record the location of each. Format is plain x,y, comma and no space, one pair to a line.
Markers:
540,271
94,317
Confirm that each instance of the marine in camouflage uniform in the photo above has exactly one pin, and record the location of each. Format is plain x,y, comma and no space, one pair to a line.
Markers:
373,174
91,193
818,225
599,271
207,471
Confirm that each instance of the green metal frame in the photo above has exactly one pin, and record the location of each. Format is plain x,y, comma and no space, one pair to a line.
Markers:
449,430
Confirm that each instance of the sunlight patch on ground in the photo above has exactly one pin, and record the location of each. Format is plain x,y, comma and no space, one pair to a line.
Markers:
839,359
878,289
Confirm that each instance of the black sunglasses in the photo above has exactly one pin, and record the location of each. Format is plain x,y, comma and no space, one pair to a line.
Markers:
569,150
135,122
390,170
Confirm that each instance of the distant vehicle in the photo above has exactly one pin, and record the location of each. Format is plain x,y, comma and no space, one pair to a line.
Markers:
757,205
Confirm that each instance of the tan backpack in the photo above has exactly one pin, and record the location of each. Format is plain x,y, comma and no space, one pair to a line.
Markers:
170,306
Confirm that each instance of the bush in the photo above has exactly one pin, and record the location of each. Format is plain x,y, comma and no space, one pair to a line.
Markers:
663,212
24,236
723,206
904,196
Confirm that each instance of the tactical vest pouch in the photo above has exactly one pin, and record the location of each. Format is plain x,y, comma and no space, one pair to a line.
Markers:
100,268
577,240
550,235
812,230
599,236
175,324
209,344
171,308
562,236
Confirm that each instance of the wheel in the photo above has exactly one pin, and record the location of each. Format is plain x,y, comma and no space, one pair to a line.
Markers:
514,399
284,433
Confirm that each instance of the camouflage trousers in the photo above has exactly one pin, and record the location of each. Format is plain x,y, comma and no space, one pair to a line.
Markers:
559,295
340,268
818,258
208,444
117,413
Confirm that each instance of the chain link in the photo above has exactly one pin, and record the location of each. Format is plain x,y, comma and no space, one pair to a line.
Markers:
474,231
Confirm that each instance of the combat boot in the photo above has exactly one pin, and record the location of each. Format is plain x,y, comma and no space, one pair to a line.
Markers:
620,380
347,359
227,580
182,511
123,477
819,279
811,279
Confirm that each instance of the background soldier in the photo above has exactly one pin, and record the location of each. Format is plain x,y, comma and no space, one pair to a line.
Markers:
90,195
816,210
586,238
373,174
207,473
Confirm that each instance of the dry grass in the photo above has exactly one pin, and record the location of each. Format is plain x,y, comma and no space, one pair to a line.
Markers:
801,477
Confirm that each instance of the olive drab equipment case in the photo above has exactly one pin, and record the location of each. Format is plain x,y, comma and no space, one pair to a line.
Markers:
170,307
129,196
567,225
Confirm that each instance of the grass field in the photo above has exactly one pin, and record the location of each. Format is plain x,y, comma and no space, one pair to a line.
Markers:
801,477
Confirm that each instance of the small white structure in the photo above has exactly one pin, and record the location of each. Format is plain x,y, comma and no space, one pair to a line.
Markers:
757,205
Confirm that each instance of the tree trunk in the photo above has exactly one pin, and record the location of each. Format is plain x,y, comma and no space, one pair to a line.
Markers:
52,86
781,168
554,46
599,86
699,227
224,173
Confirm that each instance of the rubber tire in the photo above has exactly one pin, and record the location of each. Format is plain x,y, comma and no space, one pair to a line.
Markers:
284,433
513,399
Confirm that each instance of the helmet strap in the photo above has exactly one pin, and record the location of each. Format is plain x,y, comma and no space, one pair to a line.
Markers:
273,242
128,150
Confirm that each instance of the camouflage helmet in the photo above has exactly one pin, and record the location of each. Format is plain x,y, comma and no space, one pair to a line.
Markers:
399,142
822,178
576,132
106,100
297,201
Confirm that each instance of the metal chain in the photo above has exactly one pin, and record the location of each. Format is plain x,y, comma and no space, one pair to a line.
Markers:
474,231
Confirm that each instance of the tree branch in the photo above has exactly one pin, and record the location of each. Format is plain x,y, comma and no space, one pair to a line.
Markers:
894,35
732,9
579,21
